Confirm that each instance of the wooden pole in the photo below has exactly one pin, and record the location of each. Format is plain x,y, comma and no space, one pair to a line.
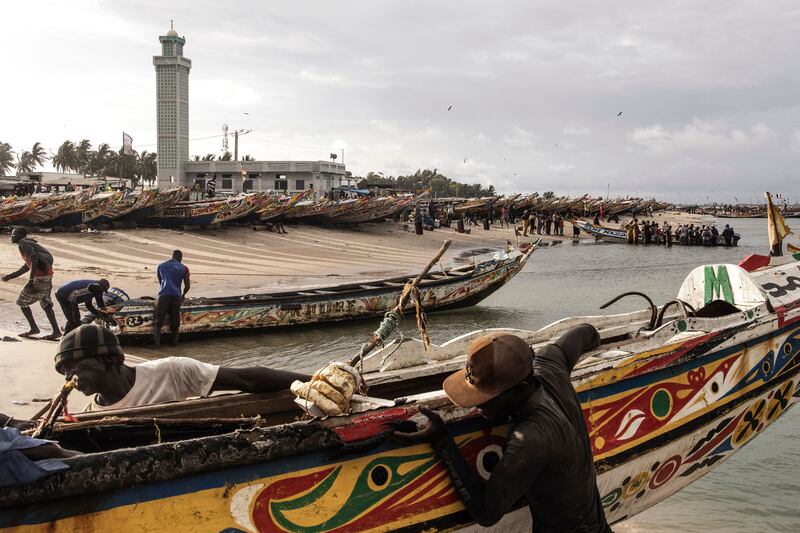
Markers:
402,302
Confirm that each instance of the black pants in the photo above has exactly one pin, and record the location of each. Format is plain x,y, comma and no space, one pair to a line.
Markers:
71,312
168,306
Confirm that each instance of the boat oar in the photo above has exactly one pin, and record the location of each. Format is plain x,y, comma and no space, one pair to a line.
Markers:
390,320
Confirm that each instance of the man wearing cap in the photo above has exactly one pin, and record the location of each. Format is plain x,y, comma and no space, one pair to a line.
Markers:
547,459
171,274
81,291
39,262
92,354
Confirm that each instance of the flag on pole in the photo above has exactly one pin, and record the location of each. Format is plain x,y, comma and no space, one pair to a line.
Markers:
777,227
127,144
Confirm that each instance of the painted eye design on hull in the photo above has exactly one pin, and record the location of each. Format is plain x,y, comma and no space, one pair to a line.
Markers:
379,477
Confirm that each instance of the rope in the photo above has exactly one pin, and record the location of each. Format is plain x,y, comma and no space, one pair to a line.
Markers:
388,325
422,320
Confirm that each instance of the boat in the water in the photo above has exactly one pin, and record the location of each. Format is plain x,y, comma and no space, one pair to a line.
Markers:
448,289
671,393
620,236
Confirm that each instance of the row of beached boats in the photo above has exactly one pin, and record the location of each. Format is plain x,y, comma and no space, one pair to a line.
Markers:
583,205
172,208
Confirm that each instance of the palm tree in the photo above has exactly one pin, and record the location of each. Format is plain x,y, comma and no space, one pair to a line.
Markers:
24,162
227,156
6,158
37,155
98,160
209,157
194,157
248,157
147,166
83,152
65,158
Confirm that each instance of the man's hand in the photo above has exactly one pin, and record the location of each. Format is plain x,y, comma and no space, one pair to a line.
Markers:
6,278
434,430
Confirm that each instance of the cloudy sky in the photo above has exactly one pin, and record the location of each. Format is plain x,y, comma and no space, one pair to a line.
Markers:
709,91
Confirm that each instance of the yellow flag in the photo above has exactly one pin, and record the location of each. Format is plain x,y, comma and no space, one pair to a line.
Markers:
777,225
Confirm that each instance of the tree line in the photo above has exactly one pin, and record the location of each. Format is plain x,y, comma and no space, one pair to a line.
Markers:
82,159
439,184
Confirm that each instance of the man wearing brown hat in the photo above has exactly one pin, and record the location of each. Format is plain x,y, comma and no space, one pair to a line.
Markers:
547,459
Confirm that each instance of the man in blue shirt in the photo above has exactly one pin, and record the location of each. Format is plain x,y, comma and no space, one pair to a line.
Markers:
171,274
81,291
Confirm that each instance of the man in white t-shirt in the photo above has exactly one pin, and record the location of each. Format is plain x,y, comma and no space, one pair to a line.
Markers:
93,354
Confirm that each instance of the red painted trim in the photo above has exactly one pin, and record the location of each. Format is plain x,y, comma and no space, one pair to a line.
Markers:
370,424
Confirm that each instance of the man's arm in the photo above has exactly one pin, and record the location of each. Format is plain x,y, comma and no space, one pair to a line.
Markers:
16,274
575,342
186,282
29,253
255,379
508,482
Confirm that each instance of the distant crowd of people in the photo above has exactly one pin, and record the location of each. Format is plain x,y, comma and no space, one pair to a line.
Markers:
650,232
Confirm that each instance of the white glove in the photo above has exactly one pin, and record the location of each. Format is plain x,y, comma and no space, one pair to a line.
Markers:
330,390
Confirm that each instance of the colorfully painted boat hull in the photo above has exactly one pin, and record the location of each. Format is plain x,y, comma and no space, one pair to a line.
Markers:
326,304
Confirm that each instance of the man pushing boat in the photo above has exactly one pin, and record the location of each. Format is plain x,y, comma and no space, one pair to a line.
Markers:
93,354
547,459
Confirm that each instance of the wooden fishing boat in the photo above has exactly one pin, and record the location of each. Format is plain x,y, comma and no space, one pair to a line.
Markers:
275,208
207,212
448,289
620,236
376,208
133,206
42,209
669,395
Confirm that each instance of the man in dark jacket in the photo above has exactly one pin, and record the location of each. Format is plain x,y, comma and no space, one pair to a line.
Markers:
81,291
39,262
547,459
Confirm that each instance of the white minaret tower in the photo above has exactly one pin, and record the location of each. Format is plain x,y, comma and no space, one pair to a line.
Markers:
172,109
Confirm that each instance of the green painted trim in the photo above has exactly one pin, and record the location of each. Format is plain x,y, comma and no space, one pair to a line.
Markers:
713,284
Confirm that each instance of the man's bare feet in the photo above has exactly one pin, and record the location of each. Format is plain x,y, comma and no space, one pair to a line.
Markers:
30,333
52,337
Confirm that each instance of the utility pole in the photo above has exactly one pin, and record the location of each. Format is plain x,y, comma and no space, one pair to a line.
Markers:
236,142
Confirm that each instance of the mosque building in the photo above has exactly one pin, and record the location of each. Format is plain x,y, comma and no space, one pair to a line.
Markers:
174,165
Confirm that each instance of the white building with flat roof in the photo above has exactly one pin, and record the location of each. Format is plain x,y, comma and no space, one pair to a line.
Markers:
172,122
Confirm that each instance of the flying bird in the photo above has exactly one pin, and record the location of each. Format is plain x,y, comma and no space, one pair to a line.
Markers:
465,160
248,114
449,108
619,114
